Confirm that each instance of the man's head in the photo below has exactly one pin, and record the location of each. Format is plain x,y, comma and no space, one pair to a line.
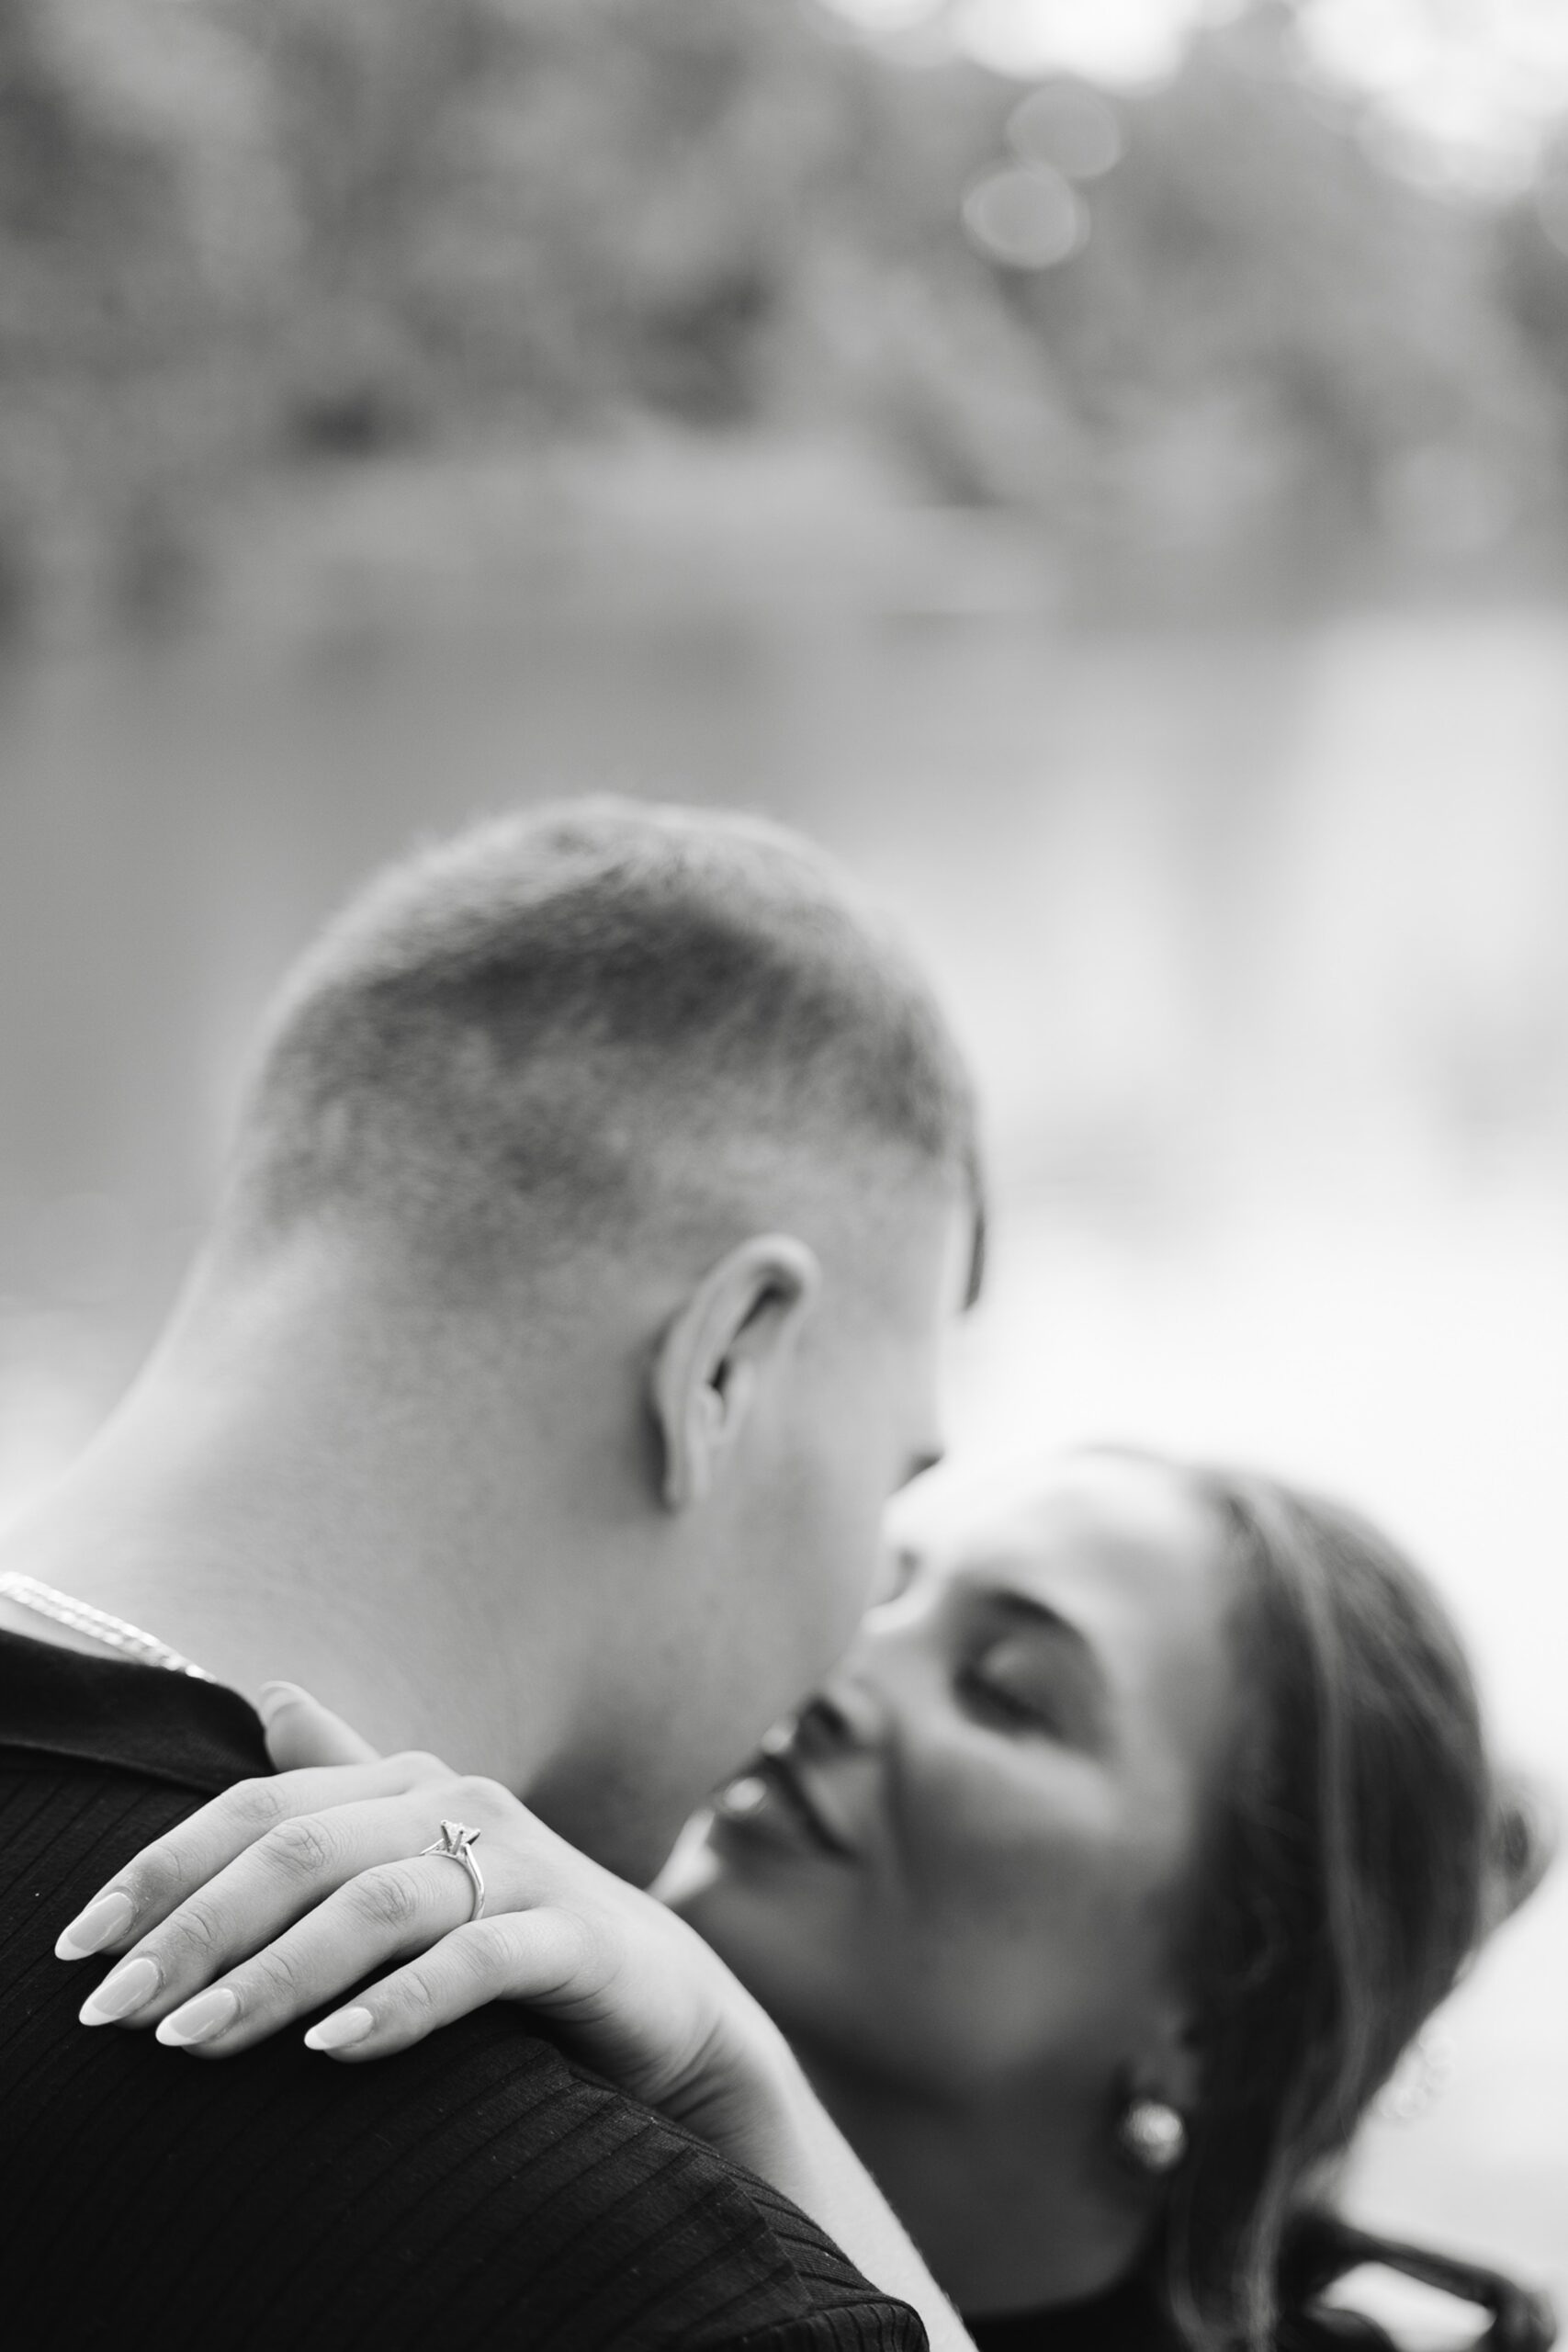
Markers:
647,1165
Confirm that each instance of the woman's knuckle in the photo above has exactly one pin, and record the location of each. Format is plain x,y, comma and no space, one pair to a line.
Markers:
255,1806
493,1938
156,1878
416,1995
419,1764
300,1849
196,1932
271,1981
474,1793
388,1896
479,1950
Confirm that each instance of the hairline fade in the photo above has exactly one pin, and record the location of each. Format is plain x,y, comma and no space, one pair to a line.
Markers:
539,1032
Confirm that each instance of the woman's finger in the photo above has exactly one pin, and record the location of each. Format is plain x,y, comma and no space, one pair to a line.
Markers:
540,1956
301,1731
173,1866
379,1916
250,1903
263,1892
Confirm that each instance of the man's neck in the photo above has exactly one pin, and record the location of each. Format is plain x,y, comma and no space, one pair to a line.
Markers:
260,1555
196,1593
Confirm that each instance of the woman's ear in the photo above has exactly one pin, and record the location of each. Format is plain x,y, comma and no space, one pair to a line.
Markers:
1168,2064
735,1329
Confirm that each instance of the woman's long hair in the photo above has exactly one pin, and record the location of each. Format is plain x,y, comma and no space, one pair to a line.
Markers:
1359,1850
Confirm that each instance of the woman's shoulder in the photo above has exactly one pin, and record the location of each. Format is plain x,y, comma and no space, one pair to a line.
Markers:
1323,2251
1127,2324
1126,2318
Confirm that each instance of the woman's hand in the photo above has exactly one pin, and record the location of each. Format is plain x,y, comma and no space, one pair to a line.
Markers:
283,1893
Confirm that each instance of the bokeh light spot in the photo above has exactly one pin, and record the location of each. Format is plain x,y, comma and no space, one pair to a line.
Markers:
1026,216
1068,129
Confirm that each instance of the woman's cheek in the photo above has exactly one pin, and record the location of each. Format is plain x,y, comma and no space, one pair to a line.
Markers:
1016,1912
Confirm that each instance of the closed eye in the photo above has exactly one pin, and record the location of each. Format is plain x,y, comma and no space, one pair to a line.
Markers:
998,1701
1030,1669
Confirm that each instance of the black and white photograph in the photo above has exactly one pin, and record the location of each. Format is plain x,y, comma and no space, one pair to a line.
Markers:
783,1175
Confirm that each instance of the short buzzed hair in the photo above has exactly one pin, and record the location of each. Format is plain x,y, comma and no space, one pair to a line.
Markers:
535,1031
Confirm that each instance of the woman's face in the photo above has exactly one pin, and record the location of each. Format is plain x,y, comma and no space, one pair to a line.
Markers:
965,1864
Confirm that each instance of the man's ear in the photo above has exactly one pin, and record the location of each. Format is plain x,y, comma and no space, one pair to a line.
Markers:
733,1326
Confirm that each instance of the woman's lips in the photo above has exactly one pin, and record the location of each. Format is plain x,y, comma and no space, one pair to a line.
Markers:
775,1799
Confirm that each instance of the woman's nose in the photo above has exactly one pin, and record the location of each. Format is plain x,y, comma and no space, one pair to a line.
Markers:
848,1711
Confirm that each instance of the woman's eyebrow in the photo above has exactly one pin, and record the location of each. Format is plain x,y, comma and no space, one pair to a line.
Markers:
1019,1603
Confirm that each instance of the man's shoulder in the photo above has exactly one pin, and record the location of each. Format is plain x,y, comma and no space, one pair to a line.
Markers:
632,2230
481,2188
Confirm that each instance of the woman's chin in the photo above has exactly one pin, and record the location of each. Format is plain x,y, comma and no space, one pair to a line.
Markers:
731,1888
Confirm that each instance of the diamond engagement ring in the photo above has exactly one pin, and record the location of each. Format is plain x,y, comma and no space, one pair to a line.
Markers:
457,1846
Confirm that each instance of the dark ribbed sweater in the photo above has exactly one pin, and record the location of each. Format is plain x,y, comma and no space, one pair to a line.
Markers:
480,2190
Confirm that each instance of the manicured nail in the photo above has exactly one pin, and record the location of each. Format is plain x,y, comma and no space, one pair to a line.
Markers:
199,2019
340,2031
106,1916
273,1697
123,1990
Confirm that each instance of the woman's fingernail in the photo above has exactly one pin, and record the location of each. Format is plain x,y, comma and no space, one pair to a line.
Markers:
106,1916
340,2031
199,2019
123,1990
273,1697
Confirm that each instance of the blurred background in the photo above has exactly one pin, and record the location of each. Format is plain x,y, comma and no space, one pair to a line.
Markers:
1103,468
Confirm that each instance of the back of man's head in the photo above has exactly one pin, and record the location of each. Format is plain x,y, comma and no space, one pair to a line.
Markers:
566,1028
603,1178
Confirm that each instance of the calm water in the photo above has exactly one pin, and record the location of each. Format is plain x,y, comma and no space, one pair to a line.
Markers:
1259,943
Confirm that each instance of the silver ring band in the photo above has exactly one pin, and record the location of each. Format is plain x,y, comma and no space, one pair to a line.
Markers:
456,1845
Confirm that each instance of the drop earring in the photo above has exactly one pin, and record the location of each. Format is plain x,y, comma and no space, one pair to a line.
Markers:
1152,2136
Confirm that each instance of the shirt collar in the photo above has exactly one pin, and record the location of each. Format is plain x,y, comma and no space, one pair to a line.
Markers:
144,1719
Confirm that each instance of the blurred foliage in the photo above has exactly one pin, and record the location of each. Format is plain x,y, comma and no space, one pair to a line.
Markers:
247,234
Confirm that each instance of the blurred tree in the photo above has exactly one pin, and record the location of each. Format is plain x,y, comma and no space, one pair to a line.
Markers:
244,233
1534,238
1267,324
